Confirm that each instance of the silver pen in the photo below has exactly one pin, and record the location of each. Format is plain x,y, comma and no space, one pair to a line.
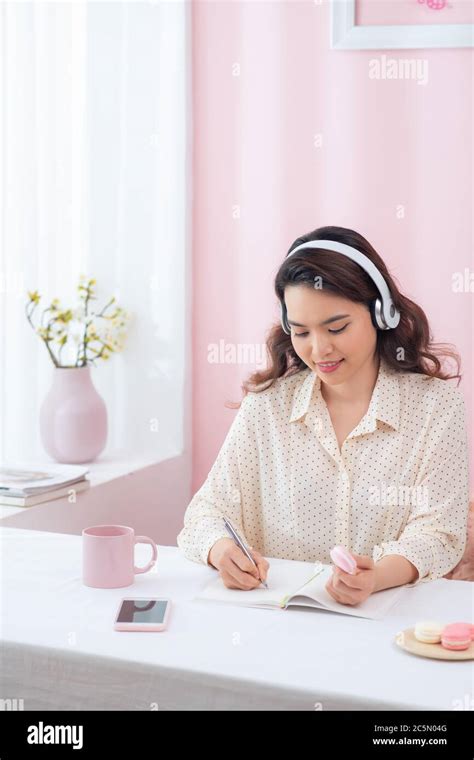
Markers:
233,534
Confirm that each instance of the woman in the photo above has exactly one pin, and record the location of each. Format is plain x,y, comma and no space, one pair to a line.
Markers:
352,436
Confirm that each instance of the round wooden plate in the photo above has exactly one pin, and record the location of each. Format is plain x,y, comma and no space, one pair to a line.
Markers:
406,640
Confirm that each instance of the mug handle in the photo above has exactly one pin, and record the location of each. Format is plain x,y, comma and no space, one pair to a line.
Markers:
146,540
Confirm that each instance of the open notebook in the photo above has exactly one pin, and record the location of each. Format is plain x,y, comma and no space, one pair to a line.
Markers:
299,584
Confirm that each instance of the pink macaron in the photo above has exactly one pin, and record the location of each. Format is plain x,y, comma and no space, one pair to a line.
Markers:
457,636
343,559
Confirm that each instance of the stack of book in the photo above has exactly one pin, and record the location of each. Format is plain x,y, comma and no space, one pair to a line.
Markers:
24,486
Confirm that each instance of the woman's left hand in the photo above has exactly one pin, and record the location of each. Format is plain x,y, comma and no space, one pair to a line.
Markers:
353,589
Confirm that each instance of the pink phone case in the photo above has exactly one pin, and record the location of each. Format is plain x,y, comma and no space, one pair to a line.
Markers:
144,626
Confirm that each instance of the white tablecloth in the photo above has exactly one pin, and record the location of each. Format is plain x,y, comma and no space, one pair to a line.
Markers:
59,649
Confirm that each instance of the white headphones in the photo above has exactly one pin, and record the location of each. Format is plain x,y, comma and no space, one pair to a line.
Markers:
383,312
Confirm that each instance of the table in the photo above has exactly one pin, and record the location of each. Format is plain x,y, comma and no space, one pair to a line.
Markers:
120,481
59,649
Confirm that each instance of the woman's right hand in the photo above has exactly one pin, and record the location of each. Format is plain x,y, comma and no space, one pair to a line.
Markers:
234,566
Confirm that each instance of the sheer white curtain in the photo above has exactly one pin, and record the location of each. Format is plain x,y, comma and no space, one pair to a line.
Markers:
94,179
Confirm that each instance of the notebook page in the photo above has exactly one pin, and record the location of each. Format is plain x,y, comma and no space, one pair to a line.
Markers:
375,607
284,578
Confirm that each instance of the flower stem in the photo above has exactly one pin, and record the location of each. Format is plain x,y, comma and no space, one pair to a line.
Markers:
46,343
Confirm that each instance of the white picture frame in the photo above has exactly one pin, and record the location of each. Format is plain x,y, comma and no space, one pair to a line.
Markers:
346,35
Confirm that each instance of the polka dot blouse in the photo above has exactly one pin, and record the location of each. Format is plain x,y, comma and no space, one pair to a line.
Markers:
398,485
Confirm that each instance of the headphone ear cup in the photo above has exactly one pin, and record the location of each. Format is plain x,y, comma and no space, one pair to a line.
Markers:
372,308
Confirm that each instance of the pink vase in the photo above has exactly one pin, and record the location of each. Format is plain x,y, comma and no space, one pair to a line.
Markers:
73,417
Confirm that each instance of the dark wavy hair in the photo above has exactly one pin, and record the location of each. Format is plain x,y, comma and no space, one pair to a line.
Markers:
345,278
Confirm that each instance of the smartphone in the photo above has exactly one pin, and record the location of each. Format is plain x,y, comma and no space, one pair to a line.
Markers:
142,614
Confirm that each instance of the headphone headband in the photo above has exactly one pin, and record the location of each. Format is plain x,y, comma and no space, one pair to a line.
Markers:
385,315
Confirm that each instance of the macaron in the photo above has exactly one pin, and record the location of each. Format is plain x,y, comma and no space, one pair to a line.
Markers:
457,636
343,559
429,631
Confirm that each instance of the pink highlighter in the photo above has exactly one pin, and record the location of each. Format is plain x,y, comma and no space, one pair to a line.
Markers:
343,559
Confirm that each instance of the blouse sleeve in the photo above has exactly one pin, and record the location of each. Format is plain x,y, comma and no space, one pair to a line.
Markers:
220,494
434,537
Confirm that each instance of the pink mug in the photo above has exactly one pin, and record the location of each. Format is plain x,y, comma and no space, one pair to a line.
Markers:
108,556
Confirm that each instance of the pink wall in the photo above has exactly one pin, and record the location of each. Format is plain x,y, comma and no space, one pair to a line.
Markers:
386,144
